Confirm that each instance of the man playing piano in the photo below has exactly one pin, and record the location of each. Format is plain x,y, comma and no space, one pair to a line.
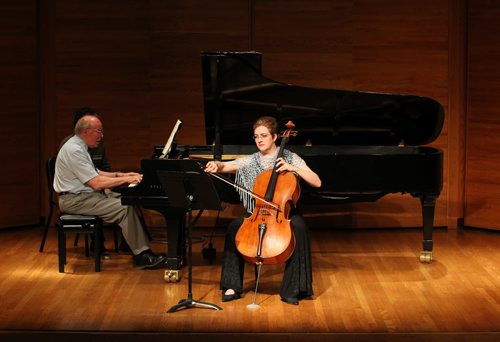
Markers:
297,278
80,187
100,160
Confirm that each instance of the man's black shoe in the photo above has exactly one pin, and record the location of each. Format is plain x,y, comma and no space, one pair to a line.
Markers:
148,260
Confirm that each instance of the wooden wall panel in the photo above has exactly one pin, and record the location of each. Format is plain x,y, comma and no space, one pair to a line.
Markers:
456,114
305,43
102,61
401,47
19,139
483,116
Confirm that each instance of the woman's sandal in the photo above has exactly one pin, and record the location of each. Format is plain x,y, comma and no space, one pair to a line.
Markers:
291,300
230,297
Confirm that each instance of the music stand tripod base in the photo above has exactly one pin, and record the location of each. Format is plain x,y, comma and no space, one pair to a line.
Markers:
190,303
188,187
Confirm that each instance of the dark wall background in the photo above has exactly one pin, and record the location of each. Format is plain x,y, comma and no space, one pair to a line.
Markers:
20,122
138,63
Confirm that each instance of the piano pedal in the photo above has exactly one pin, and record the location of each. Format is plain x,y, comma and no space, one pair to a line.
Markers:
426,256
171,276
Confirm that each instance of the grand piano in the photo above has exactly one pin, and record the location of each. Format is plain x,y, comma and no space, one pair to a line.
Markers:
363,145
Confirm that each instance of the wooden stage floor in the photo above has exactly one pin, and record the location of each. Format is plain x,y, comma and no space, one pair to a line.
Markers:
369,286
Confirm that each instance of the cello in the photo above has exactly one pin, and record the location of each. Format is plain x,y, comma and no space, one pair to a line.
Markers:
266,237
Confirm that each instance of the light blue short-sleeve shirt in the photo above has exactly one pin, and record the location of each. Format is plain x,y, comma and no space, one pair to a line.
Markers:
74,167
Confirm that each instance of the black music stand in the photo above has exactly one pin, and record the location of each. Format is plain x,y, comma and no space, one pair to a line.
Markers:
190,189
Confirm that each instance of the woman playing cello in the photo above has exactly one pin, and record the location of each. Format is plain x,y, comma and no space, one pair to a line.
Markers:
297,278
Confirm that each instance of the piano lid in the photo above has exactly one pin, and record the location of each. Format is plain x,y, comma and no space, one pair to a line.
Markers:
236,94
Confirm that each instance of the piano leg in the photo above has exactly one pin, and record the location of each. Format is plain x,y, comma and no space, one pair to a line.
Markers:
176,248
428,205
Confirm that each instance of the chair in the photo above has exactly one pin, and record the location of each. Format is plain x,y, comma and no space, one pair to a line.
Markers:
70,223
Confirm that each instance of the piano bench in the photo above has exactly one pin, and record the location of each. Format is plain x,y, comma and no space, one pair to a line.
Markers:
82,224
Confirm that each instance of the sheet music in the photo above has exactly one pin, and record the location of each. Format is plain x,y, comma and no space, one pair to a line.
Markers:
168,145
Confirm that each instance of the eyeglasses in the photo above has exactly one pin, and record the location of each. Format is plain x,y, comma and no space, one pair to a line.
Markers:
262,136
98,130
